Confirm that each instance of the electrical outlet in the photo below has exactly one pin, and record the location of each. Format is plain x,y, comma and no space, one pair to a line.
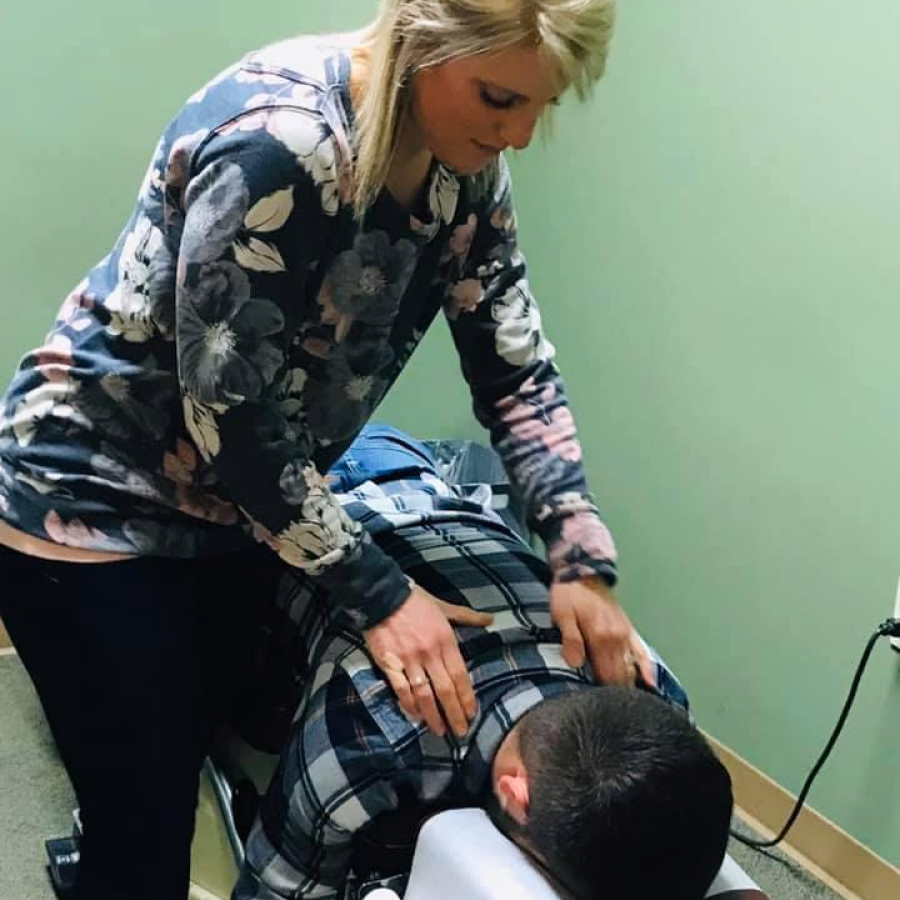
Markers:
895,642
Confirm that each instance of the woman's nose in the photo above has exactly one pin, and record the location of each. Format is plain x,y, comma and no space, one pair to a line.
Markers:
518,129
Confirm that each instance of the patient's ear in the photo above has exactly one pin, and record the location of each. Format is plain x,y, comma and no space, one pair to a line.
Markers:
512,793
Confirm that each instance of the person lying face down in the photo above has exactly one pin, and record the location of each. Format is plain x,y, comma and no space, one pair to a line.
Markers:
612,791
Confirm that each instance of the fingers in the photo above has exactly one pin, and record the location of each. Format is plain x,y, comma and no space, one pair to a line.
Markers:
438,691
401,687
451,683
572,641
417,650
611,665
609,638
446,693
443,692
464,615
461,705
645,664
422,692
591,622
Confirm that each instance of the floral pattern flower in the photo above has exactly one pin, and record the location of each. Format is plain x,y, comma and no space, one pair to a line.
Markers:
50,399
217,201
75,312
367,282
313,146
519,337
461,240
108,466
73,533
123,407
297,480
359,387
251,250
503,219
543,418
289,396
444,195
129,304
464,296
200,420
339,404
226,356
260,533
321,537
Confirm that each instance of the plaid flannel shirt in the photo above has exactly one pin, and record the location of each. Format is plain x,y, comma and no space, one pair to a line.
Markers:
352,753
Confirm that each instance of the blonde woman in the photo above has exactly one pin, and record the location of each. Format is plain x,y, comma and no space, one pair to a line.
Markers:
303,220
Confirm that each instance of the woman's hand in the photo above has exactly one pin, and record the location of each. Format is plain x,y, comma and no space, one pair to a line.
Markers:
591,620
418,652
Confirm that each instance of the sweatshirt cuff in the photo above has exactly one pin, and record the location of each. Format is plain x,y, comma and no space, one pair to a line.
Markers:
367,586
578,544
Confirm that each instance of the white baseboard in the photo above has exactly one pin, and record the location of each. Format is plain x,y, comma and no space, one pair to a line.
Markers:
199,893
824,849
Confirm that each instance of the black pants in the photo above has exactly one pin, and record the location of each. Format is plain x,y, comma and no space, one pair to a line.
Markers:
135,663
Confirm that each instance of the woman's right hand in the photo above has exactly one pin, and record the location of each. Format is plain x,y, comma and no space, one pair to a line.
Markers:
417,650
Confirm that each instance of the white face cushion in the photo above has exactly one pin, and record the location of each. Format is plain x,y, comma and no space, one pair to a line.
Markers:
461,854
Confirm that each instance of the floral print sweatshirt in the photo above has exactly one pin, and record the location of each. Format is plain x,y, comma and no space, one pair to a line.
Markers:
246,325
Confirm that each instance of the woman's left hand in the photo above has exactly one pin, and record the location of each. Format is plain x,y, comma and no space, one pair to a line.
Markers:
592,622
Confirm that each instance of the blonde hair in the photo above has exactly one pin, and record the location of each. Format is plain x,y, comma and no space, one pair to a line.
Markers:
409,35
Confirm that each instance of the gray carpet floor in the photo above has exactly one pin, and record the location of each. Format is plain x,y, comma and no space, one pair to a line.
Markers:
36,801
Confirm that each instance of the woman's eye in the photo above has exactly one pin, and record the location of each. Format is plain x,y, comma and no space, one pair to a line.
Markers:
494,101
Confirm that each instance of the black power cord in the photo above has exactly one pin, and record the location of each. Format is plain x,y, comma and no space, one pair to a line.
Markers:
888,628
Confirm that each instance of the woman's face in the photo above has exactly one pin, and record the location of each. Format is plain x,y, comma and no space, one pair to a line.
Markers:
468,110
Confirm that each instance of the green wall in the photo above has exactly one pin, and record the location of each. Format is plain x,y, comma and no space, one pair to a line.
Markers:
720,274
90,88
714,244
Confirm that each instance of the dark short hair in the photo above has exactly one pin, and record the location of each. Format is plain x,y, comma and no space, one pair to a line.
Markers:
627,799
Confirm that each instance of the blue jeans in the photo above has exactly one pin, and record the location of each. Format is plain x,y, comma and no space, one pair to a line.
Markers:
381,453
